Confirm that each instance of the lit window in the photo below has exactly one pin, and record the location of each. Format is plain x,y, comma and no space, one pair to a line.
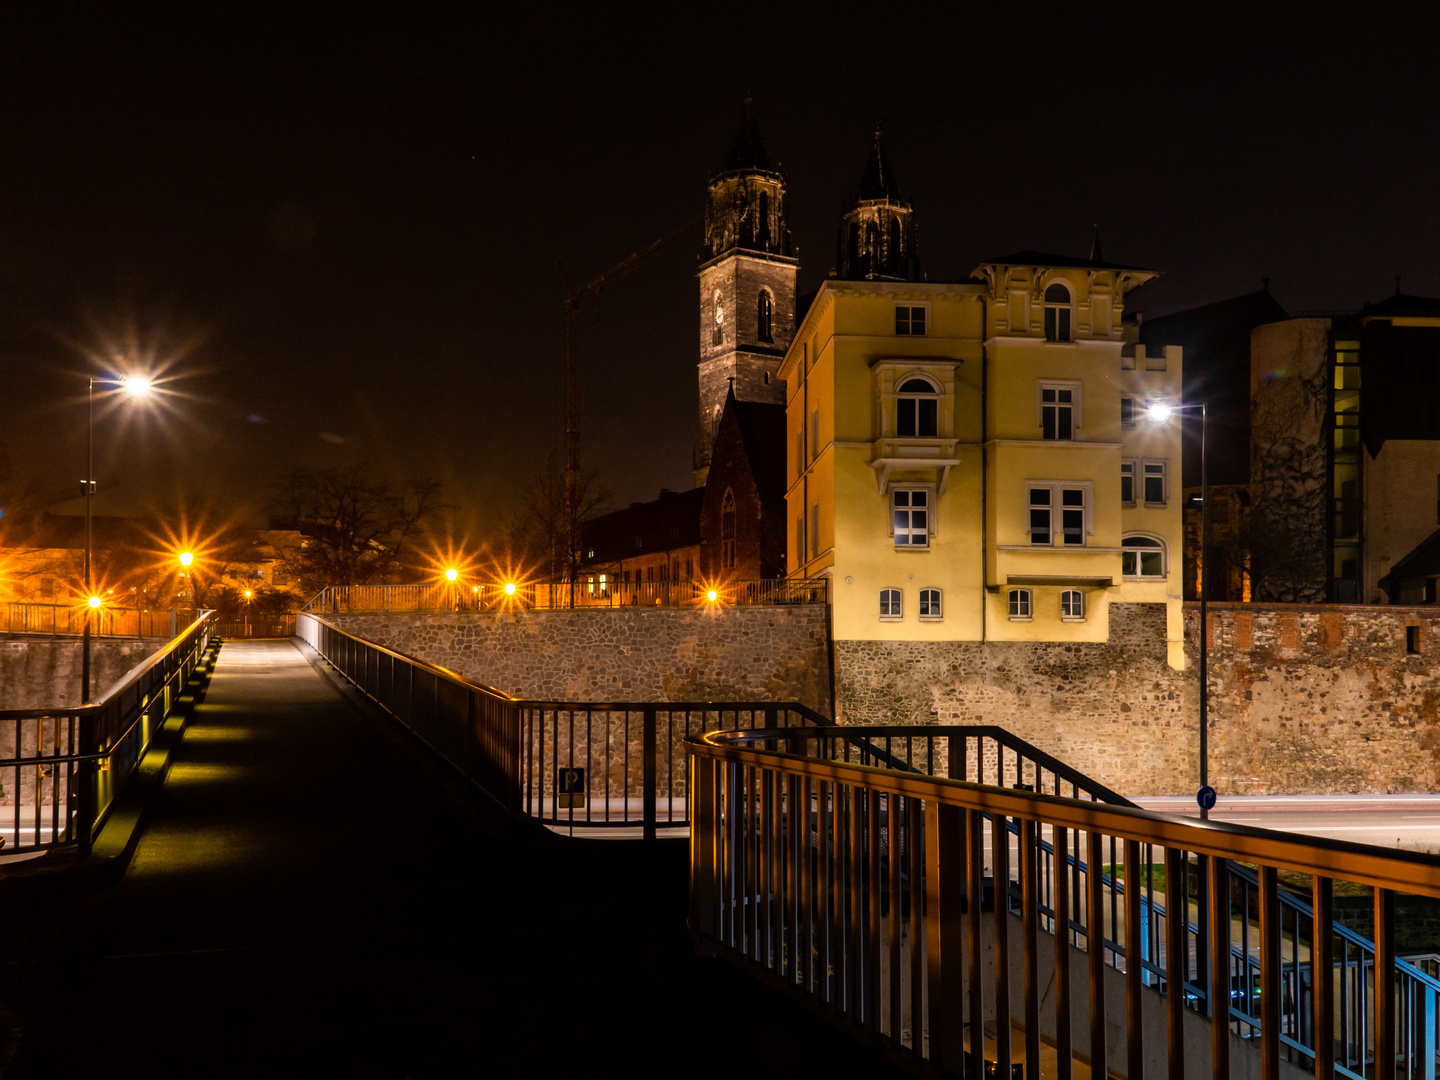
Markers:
727,530
917,409
764,309
1057,515
1155,476
1057,313
1059,410
911,514
1019,605
1127,483
910,321
1142,557
890,604
1072,605
930,605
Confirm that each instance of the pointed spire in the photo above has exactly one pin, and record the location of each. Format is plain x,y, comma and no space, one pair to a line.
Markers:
877,181
1095,255
747,151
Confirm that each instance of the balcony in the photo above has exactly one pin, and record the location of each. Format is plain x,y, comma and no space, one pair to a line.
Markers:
893,453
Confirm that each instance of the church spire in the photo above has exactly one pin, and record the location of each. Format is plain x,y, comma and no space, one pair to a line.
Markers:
747,150
877,227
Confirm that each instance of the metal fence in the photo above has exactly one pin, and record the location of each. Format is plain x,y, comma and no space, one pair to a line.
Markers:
872,893
62,769
106,621
581,765
597,592
281,627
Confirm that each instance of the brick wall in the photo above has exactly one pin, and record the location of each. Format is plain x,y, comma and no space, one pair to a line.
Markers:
771,653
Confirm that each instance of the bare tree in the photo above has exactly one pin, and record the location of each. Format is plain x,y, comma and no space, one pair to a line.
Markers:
539,531
357,528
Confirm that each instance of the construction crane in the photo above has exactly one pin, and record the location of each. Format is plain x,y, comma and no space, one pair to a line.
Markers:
633,261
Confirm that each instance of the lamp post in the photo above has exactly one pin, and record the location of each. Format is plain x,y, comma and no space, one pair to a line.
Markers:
137,388
1161,413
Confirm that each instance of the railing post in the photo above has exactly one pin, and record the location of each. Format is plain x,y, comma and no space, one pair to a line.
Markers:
945,902
1177,918
650,771
1322,975
85,781
1270,988
1218,932
1134,964
1384,984
702,847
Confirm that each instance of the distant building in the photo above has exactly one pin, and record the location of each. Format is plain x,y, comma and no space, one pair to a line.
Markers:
656,541
742,515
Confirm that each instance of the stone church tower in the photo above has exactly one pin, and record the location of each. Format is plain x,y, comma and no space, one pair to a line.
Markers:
747,286
877,228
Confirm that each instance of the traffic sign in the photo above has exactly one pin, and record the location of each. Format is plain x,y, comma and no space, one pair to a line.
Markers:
569,787
1206,797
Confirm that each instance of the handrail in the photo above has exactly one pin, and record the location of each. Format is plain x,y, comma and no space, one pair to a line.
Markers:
832,905
80,757
25,618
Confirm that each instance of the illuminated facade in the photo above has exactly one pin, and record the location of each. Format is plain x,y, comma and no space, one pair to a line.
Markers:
970,461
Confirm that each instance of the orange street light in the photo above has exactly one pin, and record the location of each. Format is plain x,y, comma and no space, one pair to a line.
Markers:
712,596
94,601
186,558
451,574
509,588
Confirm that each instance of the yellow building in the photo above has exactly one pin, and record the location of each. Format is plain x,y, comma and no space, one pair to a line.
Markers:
972,462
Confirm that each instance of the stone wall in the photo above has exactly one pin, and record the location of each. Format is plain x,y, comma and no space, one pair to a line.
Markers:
37,673
769,653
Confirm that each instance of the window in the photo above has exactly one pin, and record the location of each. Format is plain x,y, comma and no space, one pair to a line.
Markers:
1127,414
1127,483
814,435
1057,312
764,308
1155,477
910,511
930,605
890,604
1412,640
1059,410
799,453
800,539
1057,515
910,321
1019,605
727,530
1142,557
1072,605
718,336
763,233
917,408
815,530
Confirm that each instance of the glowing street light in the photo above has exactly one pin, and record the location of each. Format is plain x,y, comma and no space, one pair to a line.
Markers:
94,601
186,558
451,574
712,596
509,588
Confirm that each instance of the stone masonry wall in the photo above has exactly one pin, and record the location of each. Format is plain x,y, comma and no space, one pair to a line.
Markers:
36,673
770,653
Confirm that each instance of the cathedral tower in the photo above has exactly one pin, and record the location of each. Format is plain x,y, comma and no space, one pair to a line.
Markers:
877,227
747,285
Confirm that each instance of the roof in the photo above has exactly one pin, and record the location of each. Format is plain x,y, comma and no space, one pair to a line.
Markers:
1044,258
671,521
1239,314
877,181
1399,306
747,150
1422,562
762,429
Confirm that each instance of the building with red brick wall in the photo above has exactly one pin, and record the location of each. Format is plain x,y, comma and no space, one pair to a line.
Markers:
742,517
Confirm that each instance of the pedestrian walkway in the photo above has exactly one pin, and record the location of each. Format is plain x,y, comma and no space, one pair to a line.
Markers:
309,900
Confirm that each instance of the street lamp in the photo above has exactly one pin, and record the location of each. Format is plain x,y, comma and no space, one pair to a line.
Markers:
1161,413
135,387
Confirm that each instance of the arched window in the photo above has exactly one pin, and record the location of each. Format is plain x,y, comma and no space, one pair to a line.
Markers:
1057,312
1020,605
892,256
872,248
763,233
890,604
930,605
1072,605
917,408
727,530
1142,557
763,310
718,337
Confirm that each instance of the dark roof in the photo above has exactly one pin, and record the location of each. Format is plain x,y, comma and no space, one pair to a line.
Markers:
747,151
1399,305
1042,258
762,428
671,521
1422,562
877,181
1215,320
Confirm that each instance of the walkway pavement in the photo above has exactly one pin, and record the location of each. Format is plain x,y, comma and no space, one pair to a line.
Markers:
308,901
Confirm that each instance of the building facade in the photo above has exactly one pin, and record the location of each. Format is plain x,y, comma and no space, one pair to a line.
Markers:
970,461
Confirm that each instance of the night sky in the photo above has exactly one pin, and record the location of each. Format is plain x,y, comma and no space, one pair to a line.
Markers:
342,234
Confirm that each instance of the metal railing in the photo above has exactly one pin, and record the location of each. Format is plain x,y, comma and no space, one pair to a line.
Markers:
106,621
581,765
282,626
546,596
62,769
869,893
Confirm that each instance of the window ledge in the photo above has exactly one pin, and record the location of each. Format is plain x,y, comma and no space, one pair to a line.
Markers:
1156,505
1022,618
892,618
932,618
1072,618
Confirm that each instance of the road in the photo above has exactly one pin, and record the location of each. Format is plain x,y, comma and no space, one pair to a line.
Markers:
1406,821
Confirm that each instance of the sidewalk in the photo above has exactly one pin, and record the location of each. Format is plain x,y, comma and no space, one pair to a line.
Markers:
307,902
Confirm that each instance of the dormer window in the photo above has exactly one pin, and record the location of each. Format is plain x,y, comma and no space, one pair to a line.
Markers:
917,409
1057,312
